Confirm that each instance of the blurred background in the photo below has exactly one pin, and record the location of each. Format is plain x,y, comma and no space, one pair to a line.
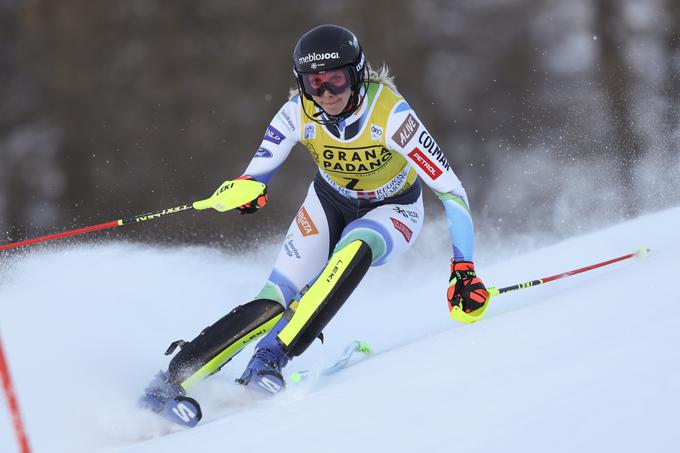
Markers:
559,117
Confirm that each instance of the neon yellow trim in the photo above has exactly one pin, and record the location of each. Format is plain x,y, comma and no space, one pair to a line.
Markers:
295,377
318,292
226,355
231,195
457,313
364,348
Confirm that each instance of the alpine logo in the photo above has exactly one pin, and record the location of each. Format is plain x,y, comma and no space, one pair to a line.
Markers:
273,135
426,164
318,56
403,229
406,131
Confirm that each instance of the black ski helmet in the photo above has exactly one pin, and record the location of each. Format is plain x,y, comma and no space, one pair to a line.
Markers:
329,47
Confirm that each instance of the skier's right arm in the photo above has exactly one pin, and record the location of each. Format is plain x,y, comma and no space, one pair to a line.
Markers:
279,138
281,135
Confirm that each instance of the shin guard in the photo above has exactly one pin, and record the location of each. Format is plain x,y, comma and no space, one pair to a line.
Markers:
217,344
325,296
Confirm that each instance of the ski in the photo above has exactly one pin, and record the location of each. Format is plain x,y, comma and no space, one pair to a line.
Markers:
180,410
185,411
342,362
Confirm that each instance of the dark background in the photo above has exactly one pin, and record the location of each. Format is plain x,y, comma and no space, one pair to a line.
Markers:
558,116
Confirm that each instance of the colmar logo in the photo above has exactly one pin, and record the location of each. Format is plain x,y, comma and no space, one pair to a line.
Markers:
433,149
426,164
403,229
318,56
406,131
305,224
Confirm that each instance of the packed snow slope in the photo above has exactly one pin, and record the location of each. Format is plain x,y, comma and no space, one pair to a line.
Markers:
587,363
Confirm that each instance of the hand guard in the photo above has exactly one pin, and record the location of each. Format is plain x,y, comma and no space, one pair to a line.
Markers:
466,290
253,205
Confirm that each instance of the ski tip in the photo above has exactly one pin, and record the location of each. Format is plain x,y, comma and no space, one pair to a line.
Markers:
183,410
364,347
642,252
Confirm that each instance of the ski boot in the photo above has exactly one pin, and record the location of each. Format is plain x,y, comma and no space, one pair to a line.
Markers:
167,398
263,372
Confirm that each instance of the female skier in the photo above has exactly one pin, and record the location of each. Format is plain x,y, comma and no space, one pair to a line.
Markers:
363,208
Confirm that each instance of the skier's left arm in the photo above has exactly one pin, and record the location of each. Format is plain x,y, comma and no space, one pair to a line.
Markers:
407,135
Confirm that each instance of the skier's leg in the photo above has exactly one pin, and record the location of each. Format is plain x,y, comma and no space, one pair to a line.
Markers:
303,321
210,351
382,234
219,343
305,318
304,250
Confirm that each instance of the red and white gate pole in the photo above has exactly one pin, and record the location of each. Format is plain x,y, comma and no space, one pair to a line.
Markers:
12,403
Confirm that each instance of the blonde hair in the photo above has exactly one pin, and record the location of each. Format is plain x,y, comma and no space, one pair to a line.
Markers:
380,75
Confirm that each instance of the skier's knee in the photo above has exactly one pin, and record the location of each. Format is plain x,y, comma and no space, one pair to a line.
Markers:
374,240
276,292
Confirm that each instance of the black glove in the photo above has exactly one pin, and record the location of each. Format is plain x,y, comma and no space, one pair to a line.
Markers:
466,289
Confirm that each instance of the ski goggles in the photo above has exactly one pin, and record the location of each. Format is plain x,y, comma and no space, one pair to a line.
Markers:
336,81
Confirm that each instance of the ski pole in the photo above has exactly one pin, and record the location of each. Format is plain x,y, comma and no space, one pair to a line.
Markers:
459,315
224,199
12,403
640,252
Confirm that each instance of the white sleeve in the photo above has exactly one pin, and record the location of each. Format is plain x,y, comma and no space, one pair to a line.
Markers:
282,133
407,135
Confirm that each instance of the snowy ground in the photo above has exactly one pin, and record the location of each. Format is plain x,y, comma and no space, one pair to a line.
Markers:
589,363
